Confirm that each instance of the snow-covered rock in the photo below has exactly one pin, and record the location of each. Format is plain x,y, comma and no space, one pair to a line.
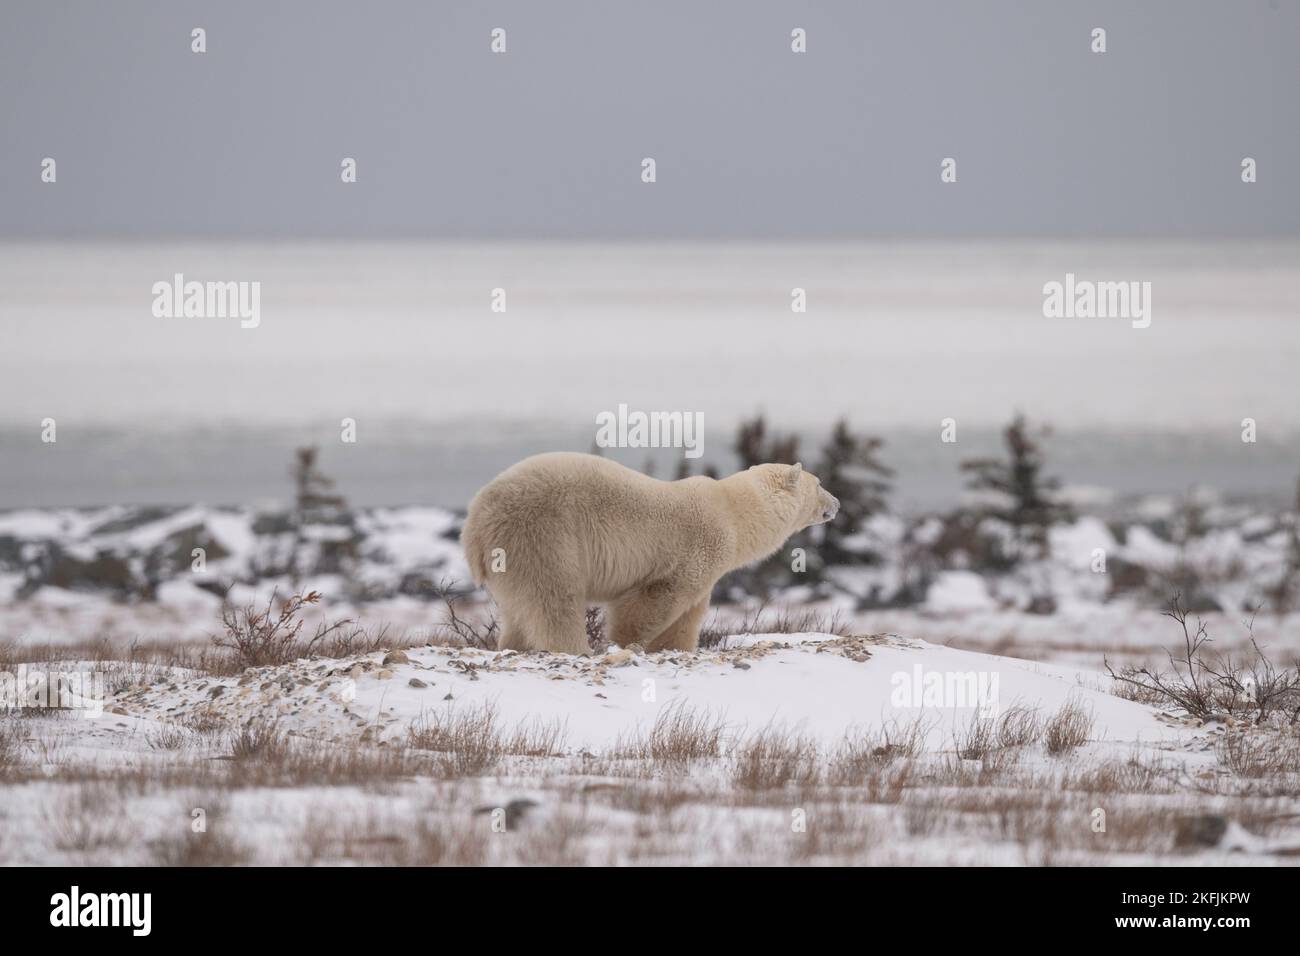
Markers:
958,591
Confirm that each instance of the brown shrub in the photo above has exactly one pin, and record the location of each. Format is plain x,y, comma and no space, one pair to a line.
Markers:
1068,728
774,758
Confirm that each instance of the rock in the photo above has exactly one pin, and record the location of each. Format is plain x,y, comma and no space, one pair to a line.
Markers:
174,555
384,674
1199,832
420,584
417,683
396,657
619,658
105,571
512,814
216,692
740,665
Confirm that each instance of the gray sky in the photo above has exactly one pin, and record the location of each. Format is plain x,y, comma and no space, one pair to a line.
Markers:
751,140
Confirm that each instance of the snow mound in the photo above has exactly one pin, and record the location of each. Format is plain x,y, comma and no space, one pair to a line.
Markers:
814,684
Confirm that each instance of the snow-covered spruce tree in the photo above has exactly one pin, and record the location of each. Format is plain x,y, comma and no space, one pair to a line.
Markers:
320,519
850,469
1020,494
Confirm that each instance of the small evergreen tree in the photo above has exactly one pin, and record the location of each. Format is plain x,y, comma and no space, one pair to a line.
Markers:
850,470
1031,505
754,446
314,504
1282,592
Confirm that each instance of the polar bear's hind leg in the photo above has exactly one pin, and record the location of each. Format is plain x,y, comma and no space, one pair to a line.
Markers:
513,636
560,626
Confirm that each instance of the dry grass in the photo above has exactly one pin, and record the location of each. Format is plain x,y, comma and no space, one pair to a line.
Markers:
122,667
1260,754
1130,776
680,734
834,832
1068,728
845,803
1000,738
259,740
278,762
775,757
170,737
1019,726
12,735
89,818
859,758
213,845
377,840
1126,685
204,721
764,620
135,664
198,849
977,739
470,741
557,842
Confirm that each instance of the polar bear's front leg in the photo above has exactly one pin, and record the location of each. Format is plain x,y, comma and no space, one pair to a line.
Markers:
683,634
643,615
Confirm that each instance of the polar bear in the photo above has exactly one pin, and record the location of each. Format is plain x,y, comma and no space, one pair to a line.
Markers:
557,532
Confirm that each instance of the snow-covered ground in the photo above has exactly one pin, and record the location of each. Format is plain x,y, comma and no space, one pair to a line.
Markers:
776,748
959,729
823,687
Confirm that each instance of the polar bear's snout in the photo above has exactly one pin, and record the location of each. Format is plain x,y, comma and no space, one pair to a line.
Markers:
830,505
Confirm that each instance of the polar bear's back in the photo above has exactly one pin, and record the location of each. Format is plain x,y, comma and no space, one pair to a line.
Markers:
580,517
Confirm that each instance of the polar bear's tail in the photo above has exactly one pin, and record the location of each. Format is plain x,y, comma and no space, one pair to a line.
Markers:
477,566
475,553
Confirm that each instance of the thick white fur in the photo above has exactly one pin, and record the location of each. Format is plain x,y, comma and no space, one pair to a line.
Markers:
578,529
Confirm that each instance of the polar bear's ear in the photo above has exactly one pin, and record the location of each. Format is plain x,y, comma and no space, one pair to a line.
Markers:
792,476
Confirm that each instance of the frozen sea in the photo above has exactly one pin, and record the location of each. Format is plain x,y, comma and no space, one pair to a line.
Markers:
401,338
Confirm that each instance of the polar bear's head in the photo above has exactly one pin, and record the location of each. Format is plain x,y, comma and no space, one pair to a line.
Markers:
809,502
